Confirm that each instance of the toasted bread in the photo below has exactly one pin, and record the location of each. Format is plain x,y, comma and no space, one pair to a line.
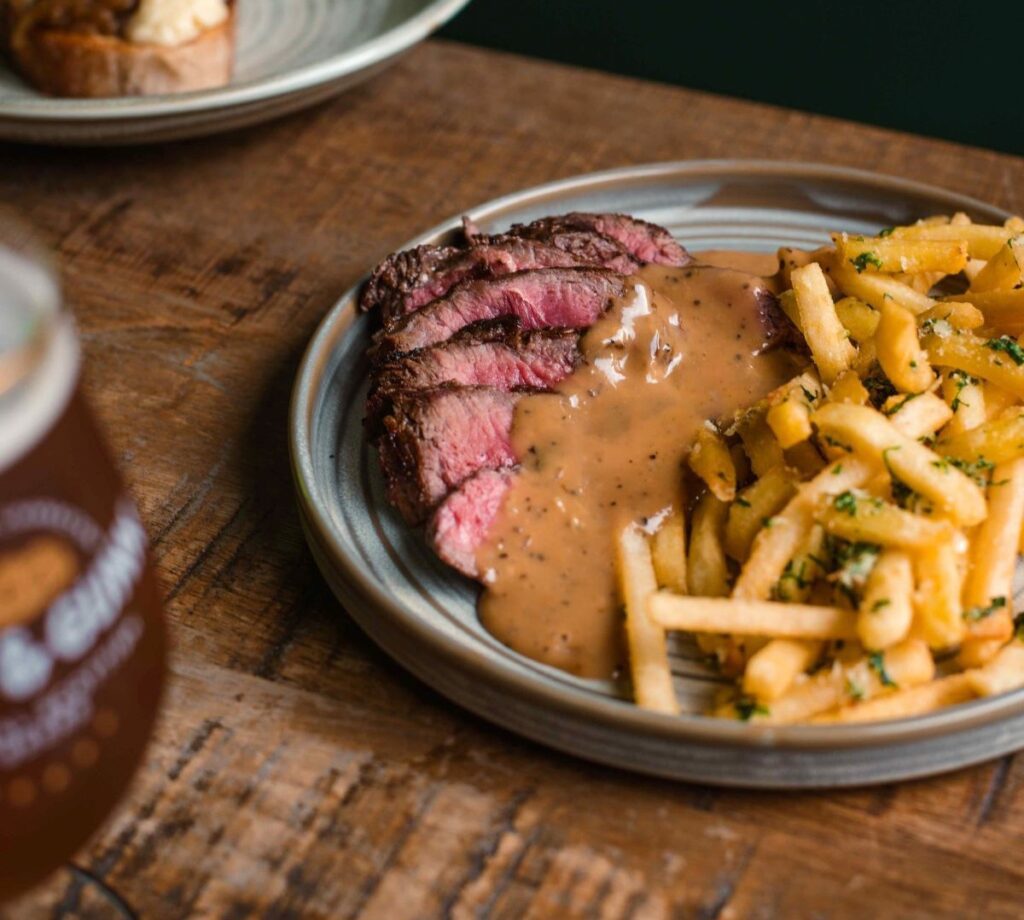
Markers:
79,64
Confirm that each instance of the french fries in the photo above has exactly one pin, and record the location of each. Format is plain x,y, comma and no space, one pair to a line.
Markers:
751,618
873,435
1003,309
707,572
886,610
894,254
648,652
859,319
1004,271
982,241
879,519
875,289
668,552
754,508
905,665
711,460
993,359
899,351
825,335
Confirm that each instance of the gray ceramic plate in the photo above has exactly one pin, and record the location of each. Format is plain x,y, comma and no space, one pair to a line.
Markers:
423,614
291,54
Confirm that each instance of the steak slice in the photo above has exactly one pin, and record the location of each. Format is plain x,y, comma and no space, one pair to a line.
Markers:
640,239
433,440
461,523
401,271
497,353
570,298
406,285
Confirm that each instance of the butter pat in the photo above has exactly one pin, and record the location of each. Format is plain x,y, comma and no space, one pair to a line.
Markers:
174,22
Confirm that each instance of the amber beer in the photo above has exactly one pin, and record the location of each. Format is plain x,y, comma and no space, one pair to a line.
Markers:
82,643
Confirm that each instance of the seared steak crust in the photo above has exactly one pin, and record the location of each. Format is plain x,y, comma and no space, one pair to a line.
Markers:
641,240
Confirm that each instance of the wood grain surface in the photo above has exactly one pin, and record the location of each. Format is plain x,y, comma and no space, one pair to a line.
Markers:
296,771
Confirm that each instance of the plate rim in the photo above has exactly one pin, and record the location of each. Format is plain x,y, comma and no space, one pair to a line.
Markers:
610,713
399,38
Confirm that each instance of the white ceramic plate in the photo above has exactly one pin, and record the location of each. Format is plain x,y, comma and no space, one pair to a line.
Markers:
291,54
423,613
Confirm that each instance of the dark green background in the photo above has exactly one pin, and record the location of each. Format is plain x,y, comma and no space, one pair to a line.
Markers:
952,70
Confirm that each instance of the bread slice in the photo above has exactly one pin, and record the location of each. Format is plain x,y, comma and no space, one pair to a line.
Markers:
66,63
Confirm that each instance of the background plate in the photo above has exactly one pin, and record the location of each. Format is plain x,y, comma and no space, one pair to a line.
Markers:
291,54
423,613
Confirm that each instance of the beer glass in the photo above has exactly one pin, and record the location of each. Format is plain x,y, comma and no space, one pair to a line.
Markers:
82,641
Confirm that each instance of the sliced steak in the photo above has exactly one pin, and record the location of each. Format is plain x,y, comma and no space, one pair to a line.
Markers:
486,261
497,353
462,521
644,241
570,298
408,284
435,439
402,271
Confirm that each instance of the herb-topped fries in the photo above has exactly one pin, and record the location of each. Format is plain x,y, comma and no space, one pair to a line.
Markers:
854,535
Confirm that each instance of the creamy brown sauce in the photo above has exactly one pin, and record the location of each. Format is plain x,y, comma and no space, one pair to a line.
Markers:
609,447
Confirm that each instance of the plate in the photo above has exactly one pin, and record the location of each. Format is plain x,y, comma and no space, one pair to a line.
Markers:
290,54
423,614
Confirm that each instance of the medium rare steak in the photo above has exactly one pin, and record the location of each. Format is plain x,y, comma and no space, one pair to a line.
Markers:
462,521
435,439
403,270
490,260
497,353
571,298
644,241
407,280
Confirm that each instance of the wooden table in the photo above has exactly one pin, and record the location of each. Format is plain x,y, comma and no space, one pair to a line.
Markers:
298,771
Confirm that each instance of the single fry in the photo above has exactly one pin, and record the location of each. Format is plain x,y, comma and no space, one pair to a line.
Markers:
983,241
848,389
894,254
993,359
711,460
988,588
825,335
886,609
957,314
648,654
975,653
875,289
997,441
921,416
773,668
899,351
906,665
966,398
759,443
789,413
707,572
1004,271
1003,673
1003,310
858,318
937,604
751,618
915,701
864,518
668,552
754,508
872,434
997,400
